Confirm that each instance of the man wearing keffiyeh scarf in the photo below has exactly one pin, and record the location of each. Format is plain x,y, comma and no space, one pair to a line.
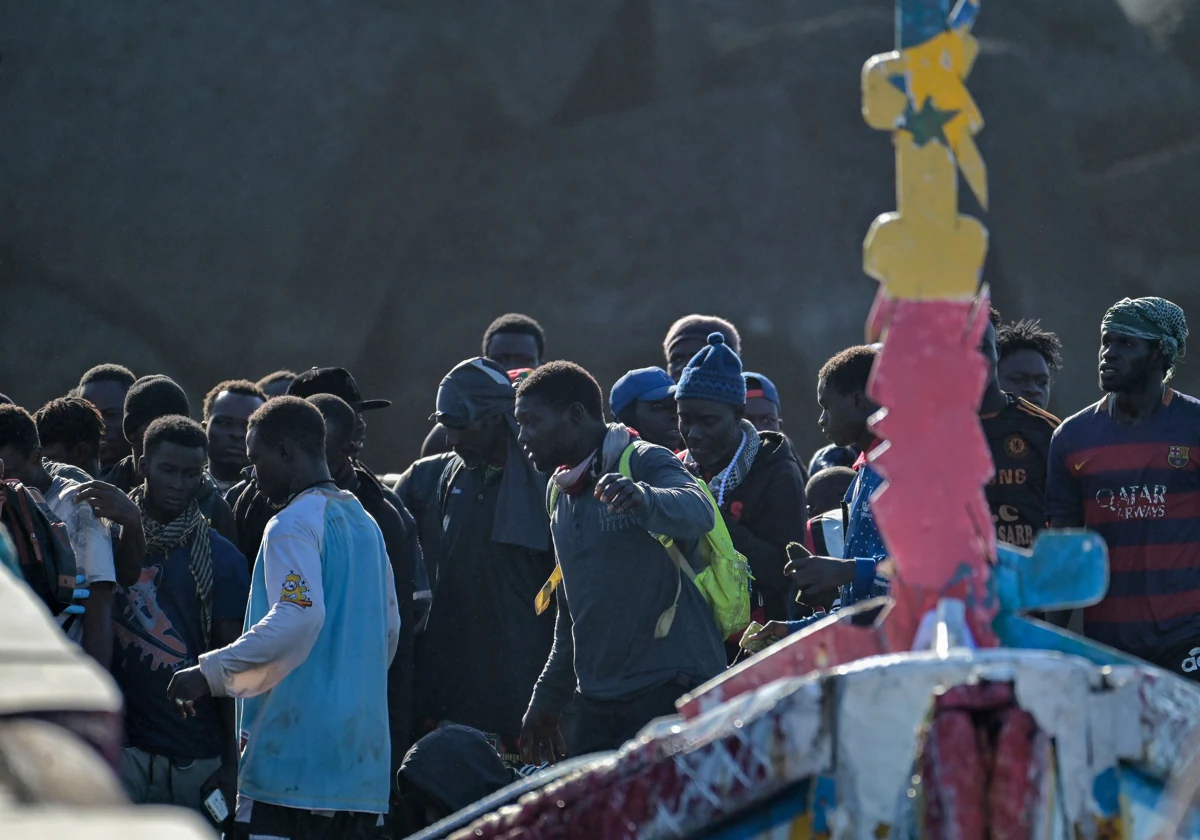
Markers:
1151,319
189,529
1140,343
754,476
190,597
1140,442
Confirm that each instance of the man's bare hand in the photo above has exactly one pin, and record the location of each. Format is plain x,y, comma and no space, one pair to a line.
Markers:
186,687
621,494
541,739
814,574
110,503
773,631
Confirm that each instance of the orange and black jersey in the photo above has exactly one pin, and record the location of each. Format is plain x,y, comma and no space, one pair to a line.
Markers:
1019,437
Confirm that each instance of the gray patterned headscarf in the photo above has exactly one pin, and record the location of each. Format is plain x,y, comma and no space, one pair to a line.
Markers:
1151,319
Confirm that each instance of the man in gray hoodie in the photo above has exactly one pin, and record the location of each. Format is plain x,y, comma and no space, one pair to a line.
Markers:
632,633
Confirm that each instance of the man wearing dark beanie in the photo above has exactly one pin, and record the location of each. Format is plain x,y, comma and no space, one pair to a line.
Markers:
754,476
150,398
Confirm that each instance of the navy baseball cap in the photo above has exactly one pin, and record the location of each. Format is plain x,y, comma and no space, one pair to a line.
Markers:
650,384
758,385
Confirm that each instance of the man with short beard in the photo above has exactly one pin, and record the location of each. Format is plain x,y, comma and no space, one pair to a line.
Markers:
485,520
1128,467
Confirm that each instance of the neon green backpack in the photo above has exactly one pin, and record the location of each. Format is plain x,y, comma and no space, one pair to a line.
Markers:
724,581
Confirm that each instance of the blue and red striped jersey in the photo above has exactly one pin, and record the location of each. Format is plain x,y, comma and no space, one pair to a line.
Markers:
1139,488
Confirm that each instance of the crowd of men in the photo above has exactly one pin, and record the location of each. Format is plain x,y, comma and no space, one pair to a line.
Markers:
346,654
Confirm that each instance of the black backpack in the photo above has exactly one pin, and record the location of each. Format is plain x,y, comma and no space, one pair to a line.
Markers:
42,543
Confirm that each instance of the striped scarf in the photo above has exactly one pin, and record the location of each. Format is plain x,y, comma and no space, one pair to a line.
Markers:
729,479
189,528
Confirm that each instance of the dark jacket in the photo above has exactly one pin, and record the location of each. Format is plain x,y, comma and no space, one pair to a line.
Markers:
1019,437
618,581
251,513
400,539
764,514
483,645
419,488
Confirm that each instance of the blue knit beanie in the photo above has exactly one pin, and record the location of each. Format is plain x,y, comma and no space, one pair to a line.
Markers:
715,373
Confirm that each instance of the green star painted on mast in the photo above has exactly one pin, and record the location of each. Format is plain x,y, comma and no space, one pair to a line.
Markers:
927,124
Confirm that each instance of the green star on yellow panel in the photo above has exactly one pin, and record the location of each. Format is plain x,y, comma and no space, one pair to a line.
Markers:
927,124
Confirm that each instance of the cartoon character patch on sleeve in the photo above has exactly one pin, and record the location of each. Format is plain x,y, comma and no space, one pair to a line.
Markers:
294,591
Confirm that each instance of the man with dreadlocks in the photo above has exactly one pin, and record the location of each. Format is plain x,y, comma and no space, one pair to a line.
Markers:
191,598
1129,468
1029,359
1018,435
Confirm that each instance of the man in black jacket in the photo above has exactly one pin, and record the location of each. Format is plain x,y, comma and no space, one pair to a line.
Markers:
481,511
754,476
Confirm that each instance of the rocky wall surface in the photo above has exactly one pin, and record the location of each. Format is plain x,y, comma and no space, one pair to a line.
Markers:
218,190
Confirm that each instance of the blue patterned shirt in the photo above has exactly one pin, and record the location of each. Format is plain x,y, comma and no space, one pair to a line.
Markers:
863,543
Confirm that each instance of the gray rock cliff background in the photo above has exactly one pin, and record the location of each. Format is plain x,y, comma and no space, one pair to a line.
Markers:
216,190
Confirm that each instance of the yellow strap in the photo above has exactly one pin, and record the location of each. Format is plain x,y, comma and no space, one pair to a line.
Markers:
542,602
